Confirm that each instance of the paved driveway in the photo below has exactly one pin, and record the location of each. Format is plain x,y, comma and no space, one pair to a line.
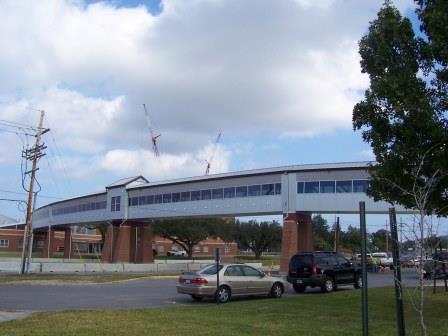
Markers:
144,293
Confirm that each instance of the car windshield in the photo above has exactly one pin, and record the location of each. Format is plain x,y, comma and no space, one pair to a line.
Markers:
210,270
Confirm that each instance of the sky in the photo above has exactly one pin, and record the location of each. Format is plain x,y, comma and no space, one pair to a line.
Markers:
278,79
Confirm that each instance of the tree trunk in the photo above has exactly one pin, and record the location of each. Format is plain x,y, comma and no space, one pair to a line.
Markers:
258,254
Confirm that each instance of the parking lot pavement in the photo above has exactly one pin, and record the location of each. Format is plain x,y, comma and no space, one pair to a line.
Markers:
13,315
19,300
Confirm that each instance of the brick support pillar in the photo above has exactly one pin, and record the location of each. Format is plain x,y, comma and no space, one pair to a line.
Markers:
125,239
68,246
109,243
47,251
297,236
144,247
289,240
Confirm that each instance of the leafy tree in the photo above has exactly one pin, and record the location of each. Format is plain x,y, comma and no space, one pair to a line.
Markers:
403,115
321,233
258,237
351,238
378,240
189,232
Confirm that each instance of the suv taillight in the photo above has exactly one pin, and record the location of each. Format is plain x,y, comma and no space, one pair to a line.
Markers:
199,281
314,270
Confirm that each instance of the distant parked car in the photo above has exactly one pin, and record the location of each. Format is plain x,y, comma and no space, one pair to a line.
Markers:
234,280
175,253
383,258
322,269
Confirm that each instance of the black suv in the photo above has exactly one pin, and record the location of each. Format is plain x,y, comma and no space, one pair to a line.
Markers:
322,269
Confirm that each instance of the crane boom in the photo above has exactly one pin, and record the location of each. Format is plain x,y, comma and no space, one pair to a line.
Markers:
152,133
215,147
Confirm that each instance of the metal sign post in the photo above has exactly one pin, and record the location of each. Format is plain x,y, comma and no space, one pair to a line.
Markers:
397,271
217,257
365,304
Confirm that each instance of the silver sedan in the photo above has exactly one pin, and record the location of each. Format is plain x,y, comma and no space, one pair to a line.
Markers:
234,280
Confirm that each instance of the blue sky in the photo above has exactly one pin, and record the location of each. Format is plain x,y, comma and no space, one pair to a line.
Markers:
278,79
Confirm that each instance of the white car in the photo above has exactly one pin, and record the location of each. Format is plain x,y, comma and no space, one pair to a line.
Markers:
175,253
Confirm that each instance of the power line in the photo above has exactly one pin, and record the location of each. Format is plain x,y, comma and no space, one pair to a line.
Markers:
22,193
18,125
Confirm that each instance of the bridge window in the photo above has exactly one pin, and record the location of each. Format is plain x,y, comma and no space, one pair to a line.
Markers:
241,191
185,196
115,203
150,199
278,188
142,200
267,189
229,192
133,201
217,193
327,187
175,197
254,190
158,199
300,186
196,195
166,198
344,186
311,187
206,194
360,185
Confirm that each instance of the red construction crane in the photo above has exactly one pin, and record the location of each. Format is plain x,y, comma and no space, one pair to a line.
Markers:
153,135
215,147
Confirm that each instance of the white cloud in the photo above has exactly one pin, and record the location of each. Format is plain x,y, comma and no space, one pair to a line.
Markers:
287,67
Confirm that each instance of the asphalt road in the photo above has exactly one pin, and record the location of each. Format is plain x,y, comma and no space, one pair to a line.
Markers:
145,293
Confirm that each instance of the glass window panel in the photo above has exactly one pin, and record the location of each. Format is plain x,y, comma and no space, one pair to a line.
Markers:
206,194
217,193
158,199
360,185
195,195
229,192
150,199
327,187
241,191
311,187
278,188
185,196
344,186
134,201
254,190
267,189
141,200
166,198
175,197
300,186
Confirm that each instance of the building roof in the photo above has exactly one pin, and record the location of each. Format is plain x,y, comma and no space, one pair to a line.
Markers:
126,181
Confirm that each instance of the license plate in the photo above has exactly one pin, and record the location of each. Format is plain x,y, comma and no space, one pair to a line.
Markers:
299,281
187,281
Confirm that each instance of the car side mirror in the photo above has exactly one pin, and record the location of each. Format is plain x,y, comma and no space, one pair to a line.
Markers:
262,274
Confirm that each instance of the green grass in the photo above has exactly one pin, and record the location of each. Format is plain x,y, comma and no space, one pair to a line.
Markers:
90,278
310,314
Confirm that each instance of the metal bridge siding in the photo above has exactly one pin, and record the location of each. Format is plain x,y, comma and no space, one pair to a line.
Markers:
288,202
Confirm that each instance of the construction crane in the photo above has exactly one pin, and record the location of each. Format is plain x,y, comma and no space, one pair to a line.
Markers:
215,147
153,135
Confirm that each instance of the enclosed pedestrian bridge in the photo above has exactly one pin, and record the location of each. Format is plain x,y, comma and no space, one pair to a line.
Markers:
294,191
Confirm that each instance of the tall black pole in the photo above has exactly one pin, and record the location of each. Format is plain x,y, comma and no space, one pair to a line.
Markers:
217,257
397,271
365,303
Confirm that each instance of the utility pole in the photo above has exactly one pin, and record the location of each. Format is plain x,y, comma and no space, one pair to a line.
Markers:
387,240
33,154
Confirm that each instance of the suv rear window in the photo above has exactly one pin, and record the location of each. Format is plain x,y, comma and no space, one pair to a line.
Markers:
299,261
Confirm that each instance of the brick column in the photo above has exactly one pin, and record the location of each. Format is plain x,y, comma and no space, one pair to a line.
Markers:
289,240
47,251
122,250
109,243
144,249
68,246
297,236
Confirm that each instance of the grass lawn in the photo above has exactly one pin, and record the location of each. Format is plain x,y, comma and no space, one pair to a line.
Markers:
310,314
89,278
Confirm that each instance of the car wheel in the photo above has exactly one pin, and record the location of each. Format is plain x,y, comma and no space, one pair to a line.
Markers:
328,285
276,290
358,281
196,297
224,294
299,288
